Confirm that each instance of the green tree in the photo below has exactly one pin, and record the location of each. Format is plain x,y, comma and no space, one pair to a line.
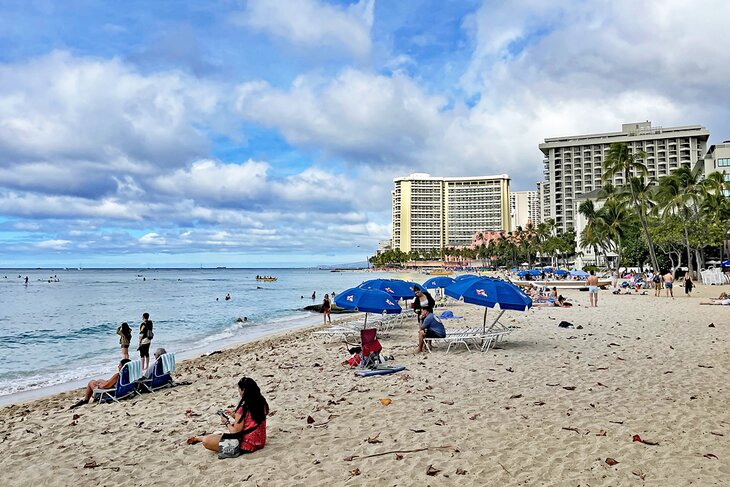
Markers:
621,160
595,232
680,194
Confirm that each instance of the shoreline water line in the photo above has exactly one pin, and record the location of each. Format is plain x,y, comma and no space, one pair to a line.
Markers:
264,333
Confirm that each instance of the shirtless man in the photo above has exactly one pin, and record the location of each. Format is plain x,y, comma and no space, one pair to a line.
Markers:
668,284
592,282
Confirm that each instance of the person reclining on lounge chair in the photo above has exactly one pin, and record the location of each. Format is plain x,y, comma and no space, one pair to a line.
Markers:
153,363
724,302
100,384
431,327
561,302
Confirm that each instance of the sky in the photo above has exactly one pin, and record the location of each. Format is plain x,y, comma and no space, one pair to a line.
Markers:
252,133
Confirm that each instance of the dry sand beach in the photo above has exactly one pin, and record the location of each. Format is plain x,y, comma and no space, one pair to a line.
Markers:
548,407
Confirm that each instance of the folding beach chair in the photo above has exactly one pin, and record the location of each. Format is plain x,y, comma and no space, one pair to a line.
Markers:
161,375
126,384
371,348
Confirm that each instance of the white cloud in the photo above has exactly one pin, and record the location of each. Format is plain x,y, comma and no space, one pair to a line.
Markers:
72,123
539,70
35,205
210,180
362,116
152,239
52,244
311,23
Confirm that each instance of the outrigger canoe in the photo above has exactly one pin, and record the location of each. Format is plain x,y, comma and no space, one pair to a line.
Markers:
267,279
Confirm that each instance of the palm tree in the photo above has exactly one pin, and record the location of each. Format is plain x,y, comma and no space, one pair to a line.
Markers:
595,232
621,160
681,193
614,216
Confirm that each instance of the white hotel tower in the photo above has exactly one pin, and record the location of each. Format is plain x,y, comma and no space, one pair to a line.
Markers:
573,165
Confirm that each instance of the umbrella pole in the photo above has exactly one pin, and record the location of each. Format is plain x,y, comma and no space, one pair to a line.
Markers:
366,322
484,327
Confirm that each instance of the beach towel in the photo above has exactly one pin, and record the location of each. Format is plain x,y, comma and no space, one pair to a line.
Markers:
135,370
168,363
449,315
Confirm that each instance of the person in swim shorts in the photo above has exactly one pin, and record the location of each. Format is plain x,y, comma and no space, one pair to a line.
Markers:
669,284
592,282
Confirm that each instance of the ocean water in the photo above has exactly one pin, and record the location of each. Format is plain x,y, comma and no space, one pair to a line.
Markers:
59,332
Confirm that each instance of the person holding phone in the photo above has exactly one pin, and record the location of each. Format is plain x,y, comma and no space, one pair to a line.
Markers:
245,425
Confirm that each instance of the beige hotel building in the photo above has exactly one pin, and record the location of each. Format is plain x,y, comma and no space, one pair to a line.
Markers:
436,212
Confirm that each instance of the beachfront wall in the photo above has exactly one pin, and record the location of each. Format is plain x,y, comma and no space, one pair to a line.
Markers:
434,212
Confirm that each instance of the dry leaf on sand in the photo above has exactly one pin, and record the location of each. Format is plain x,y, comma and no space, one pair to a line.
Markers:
385,402
374,439
430,470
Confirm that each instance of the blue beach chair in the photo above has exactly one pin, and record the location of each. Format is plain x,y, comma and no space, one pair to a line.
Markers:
162,374
126,384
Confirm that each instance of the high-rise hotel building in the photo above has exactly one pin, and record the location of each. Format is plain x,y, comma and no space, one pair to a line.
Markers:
433,213
574,165
525,207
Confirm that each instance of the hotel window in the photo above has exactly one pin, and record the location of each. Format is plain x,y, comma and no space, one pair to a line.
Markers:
723,163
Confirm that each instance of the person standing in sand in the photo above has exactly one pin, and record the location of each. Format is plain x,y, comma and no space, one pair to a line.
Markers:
592,282
614,280
145,339
688,284
669,284
423,301
326,305
657,284
125,337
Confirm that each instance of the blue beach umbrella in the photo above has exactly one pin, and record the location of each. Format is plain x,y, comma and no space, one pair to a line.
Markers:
726,263
437,282
397,288
489,292
531,272
561,272
465,277
367,301
578,273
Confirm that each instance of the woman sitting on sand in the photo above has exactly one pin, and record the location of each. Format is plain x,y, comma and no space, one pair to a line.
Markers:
246,424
